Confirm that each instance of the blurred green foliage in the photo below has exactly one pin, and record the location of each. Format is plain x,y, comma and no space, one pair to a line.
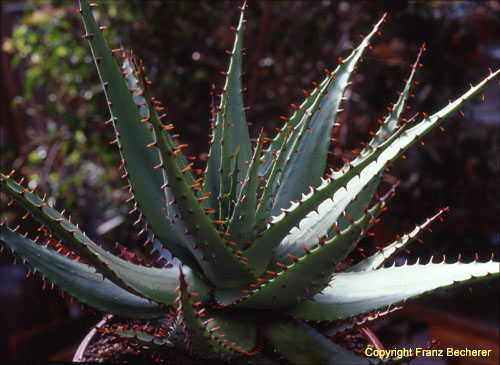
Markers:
67,155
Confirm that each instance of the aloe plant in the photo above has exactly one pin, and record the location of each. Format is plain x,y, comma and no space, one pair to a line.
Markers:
263,236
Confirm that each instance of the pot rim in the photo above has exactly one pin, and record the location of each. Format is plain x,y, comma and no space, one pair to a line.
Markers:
372,338
78,357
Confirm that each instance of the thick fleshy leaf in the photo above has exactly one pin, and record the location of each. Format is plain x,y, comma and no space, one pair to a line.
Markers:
211,251
309,274
153,283
299,343
131,72
335,328
235,110
145,339
354,293
377,260
230,122
235,184
303,235
288,155
211,177
318,223
238,329
292,122
242,225
391,123
169,352
79,280
406,139
315,141
227,162
268,190
132,139
331,209
211,335
260,252
148,106
353,178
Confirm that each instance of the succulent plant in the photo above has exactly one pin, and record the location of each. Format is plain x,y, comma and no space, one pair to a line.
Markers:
263,237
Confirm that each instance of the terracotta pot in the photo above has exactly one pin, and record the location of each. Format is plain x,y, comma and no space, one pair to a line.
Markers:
89,338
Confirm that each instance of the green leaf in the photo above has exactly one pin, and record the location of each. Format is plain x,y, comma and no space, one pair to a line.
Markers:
314,144
230,129
211,178
260,252
163,141
149,107
310,273
290,154
242,225
235,110
141,97
319,222
391,122
335,328
235,184
377,260
153,283
238,328
354,293
330,212
226,179
271,184
212,253
332,208
203,333
145,339
299,343
354,178
132,139
279,141
79,280
161,344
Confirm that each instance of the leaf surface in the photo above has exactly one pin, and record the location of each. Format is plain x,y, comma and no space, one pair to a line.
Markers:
78,279
354,293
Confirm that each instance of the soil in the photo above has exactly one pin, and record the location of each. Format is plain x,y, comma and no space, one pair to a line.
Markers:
353,341
108,347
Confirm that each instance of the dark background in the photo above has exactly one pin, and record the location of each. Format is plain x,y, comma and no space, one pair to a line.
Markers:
53,113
